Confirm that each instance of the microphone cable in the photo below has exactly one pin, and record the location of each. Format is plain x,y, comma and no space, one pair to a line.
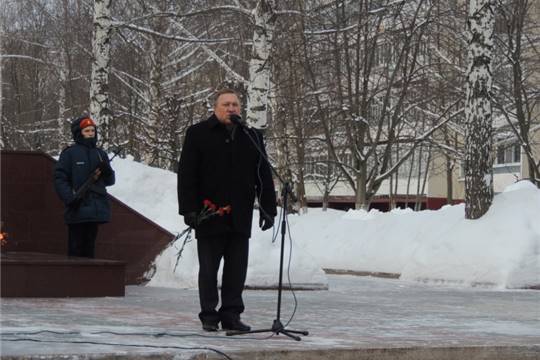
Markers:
155,334
120,344
289,273
258,145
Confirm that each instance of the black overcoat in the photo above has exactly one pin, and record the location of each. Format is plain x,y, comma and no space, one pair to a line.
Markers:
224,167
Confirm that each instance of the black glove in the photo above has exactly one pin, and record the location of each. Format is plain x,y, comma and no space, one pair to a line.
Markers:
190,219
265,221
75,202
106,169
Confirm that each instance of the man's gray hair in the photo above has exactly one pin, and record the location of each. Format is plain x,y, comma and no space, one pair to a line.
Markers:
224,91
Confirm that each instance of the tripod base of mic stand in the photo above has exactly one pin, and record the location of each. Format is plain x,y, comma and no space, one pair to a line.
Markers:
277,328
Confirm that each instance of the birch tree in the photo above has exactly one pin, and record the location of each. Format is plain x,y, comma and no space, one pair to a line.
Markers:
479,127
100,107
259,66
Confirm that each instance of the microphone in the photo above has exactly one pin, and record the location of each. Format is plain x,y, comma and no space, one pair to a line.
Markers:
237,120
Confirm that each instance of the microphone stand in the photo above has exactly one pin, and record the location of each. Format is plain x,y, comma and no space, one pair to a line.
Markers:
277,326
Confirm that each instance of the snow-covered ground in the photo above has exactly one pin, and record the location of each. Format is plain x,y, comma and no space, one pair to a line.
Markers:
502,249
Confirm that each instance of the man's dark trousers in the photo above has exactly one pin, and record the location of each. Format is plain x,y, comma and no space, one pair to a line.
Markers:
82,239
234,249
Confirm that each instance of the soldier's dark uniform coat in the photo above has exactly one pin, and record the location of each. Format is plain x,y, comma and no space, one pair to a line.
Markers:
225,168
75,165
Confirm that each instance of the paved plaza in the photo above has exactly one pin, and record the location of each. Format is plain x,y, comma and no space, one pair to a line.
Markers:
357,318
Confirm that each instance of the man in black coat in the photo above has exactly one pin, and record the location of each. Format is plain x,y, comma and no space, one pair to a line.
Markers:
220,163
76,164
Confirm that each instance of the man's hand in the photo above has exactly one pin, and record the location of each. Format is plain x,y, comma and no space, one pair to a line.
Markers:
265,221
190,219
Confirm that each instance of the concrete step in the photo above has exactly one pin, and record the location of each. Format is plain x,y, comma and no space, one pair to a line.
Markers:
28,274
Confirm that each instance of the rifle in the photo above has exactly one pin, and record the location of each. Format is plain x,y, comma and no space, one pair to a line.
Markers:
81,192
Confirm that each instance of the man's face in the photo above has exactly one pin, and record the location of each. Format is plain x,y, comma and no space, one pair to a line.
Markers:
88,132
226,105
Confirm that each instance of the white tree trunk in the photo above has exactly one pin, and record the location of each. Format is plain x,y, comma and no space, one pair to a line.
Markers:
259,66
99,84
478,136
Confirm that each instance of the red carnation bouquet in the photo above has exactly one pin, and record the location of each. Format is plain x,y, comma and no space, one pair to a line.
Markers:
209,210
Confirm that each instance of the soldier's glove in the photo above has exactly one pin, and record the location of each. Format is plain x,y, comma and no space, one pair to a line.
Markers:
105,168
75,202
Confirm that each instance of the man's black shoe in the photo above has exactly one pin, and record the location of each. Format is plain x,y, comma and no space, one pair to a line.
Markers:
235,325
210,326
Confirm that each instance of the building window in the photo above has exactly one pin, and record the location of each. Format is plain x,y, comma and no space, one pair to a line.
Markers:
500,155
517,153
508,154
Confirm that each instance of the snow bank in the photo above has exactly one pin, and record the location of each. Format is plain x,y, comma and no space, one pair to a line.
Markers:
501,249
